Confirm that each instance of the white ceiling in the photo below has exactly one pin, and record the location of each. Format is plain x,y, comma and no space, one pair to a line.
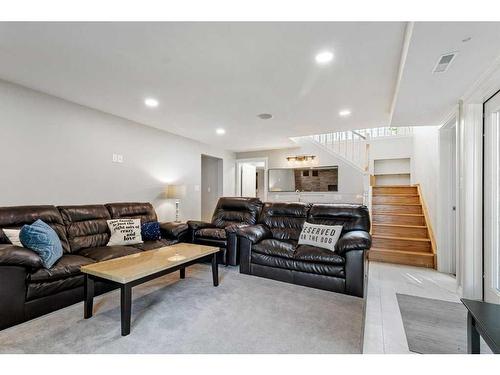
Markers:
425,98
211,75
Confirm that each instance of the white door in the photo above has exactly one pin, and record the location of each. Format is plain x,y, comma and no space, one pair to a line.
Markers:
248,180
492,200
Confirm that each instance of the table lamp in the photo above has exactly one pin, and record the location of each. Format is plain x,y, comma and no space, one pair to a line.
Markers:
176,192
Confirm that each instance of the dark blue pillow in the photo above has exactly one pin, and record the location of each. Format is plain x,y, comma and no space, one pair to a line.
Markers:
151,231
43,240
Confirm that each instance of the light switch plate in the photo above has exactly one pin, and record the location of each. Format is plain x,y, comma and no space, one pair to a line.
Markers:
117,158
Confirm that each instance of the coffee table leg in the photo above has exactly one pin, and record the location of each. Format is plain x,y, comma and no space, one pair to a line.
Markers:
88,303
183,273
473,346
215,270
126,307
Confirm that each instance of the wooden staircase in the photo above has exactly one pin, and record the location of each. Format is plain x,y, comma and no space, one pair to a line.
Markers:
400,227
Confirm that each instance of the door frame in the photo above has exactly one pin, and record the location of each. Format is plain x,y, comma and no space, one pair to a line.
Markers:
238,173
484,239
448,256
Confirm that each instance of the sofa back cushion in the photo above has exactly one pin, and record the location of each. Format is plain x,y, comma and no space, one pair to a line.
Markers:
133,210
236,210
350,216
284,219
86,225
16,217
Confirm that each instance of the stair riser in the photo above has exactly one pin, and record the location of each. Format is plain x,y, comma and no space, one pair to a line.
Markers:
403,220
384,199
400,231
394,190
403,245
406,259
388,208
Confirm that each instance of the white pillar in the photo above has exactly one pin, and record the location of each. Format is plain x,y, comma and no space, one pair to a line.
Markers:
469,199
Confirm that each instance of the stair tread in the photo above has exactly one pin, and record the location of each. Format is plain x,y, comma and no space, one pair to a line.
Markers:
418,253
396,214
401,238
391,195
401,225
394,186
396,204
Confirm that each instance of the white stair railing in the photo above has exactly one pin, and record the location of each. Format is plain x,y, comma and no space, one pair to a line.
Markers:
349,145
353,145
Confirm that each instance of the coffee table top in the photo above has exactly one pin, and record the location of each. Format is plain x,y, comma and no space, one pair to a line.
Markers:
133,267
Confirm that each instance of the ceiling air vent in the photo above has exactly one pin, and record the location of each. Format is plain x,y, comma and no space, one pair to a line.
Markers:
444,62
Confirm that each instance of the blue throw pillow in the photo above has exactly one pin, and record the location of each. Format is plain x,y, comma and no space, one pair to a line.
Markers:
151,231
43,240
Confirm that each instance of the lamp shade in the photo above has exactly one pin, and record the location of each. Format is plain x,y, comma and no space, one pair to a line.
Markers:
176,191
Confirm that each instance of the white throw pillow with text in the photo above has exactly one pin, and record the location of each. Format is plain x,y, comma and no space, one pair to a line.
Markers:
124,231
324,236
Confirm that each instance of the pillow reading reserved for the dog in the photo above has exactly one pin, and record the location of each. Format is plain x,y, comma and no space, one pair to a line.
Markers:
124,231
324,236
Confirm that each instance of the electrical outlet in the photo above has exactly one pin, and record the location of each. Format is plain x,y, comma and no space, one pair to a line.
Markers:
115,158
120,158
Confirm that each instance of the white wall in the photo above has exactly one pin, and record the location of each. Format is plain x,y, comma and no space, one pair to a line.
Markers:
425,167
57,152
390,148
350,187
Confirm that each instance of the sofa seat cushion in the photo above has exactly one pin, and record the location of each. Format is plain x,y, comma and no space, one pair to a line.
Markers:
295,265
308,253
50,287
278,248
151,245
102,253
212,233
68,265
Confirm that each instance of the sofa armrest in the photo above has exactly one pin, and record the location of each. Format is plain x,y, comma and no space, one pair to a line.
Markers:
356,271
254,233
233,228
174,230
11,255
354,240
195,225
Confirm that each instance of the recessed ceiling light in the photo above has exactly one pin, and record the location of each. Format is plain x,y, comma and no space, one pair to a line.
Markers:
265,116
151,102
324,57
345,113
220,131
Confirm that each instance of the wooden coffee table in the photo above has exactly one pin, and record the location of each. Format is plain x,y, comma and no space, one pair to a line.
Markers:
131,270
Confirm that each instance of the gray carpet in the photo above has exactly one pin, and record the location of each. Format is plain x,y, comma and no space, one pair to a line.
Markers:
244,314
433,326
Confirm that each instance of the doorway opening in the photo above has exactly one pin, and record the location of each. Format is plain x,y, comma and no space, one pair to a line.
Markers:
251,178
211,185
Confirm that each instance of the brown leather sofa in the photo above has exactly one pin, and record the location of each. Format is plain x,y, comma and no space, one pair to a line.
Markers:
27,290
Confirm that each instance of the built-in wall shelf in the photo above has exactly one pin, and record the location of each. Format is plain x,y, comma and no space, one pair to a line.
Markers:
392,171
